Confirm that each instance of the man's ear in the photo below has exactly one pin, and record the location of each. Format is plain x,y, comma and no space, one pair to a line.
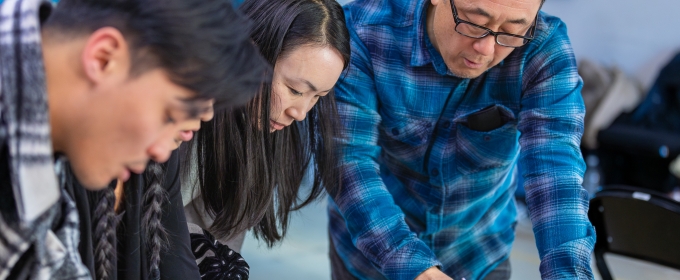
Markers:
106,54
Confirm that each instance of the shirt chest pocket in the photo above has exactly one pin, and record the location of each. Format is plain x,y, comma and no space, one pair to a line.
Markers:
405,136
478,151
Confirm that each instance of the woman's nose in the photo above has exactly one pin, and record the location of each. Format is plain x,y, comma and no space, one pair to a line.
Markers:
297,114
299,110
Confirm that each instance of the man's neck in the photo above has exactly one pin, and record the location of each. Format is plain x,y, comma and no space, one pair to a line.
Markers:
429,26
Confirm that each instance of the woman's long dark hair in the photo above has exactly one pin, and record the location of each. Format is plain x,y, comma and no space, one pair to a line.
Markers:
249,177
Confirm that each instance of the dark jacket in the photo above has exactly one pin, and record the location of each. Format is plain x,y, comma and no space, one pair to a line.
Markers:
177,260
638,148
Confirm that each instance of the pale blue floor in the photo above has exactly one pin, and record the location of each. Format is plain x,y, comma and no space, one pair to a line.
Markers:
303,254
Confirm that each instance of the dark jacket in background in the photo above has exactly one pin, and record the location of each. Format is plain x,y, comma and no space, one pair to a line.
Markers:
177,259
638,148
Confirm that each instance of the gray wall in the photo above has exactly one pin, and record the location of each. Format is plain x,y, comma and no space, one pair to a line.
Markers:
638,36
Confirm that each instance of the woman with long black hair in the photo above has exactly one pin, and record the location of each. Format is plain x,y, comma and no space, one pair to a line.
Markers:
245,167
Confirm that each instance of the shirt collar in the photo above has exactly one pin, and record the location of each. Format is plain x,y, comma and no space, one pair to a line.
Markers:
423,51
420,55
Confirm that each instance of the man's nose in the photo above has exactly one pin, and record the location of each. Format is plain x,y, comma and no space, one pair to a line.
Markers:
485,46
208,115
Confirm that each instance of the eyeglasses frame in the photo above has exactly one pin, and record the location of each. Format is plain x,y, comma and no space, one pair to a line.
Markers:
532,29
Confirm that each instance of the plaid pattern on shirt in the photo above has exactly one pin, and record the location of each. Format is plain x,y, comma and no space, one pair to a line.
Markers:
421,189
39,230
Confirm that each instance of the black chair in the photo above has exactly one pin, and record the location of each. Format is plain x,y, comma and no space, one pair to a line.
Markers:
637,156
637,223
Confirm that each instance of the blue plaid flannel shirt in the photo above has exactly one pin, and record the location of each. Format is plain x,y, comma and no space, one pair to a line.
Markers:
420,189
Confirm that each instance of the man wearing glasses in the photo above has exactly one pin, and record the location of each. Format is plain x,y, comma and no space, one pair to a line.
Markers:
442,101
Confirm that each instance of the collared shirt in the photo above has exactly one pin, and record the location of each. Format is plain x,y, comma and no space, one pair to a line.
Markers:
421,188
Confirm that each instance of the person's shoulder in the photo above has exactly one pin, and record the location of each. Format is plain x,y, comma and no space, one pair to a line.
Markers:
550,40
551,33
550,50
380,12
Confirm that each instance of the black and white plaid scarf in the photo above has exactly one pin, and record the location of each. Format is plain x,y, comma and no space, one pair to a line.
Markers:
39,237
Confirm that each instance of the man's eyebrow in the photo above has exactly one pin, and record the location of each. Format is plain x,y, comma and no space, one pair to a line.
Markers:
482,12
519,21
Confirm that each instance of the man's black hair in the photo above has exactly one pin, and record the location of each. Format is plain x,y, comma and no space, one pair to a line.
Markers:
203,45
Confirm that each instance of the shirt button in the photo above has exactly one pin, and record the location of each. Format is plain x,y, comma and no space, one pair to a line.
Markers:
428,125
435,172
487,138
395,131
446,124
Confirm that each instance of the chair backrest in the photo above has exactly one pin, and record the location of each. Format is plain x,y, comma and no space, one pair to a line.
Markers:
636,156
637,223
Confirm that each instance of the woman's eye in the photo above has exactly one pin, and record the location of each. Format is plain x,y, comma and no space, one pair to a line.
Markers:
169,119
293,91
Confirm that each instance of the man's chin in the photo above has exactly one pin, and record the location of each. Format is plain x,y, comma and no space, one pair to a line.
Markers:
460,70
466,73
92,183
96,186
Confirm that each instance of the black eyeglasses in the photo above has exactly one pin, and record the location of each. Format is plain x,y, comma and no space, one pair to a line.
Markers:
469,29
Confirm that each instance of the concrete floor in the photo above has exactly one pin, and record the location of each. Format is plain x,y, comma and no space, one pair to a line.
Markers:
303,254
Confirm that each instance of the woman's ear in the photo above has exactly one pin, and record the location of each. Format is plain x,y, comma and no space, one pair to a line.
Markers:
105,55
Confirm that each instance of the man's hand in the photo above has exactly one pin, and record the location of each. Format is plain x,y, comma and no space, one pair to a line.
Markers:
433,273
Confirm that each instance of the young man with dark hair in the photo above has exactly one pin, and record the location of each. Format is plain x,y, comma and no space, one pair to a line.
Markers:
108,85
442,101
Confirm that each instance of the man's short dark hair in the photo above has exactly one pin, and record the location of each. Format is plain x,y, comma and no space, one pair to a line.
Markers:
203,45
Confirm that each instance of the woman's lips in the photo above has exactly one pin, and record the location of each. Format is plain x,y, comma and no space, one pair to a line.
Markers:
276,126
